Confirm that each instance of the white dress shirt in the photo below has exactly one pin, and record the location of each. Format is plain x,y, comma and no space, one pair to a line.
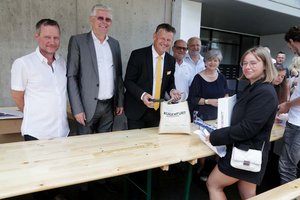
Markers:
45,98
184,75
155,58
105,68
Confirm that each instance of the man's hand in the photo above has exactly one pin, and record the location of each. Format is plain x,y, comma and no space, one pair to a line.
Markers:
147,100
175,94
80,118
283,107
119,110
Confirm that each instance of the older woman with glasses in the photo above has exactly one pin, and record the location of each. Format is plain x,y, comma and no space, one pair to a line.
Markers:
207,87
251,123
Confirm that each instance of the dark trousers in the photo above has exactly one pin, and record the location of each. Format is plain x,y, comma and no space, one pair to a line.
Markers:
102,120
29,138
150,119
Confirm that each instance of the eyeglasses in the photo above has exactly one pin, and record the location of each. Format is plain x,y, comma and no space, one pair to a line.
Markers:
102,19
252,64
180,48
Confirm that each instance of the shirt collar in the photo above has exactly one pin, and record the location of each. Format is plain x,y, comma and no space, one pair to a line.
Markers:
43,58
182,64
97,40
155,54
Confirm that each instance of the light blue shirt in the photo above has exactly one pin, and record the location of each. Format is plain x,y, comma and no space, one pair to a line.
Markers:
198,67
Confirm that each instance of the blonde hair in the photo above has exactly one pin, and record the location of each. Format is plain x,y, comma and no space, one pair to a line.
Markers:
295,63
260,53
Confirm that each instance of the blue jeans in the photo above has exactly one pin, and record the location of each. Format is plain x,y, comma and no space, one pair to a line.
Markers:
290,154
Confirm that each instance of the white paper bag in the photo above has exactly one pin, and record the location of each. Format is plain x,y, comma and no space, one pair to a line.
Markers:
225,106
174,118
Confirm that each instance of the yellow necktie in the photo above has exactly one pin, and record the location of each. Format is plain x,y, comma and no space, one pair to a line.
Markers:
157,82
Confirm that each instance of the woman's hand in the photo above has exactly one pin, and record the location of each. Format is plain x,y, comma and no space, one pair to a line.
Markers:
212,102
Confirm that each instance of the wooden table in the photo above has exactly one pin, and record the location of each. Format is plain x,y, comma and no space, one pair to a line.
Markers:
32,166
10,129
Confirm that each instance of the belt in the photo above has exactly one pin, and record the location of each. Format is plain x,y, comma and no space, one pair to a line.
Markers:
105,100
292,125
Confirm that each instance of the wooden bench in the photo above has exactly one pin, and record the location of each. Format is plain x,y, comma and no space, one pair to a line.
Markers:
287,191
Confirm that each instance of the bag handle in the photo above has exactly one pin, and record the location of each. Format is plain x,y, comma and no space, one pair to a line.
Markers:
172,101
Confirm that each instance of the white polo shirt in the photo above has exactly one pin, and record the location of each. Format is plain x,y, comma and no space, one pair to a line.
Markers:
45,98
198,67
184,75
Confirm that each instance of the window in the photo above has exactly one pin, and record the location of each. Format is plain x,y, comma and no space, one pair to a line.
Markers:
232,46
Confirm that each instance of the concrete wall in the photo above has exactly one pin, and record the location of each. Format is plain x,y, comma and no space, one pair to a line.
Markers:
134,22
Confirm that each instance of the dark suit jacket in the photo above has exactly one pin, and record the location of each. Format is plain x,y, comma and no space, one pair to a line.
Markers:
82,73
251,124
139,79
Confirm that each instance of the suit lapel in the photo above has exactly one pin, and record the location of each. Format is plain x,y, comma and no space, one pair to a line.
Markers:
113,50
149,66
92,50
114,54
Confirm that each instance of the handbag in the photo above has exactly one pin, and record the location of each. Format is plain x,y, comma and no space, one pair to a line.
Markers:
249,160
174,117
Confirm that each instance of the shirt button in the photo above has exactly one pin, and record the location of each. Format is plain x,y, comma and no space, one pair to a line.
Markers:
97,85
95,98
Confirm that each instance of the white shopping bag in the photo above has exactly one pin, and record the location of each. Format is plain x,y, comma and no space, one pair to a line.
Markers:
174,118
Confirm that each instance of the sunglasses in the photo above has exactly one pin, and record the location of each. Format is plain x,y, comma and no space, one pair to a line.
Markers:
102,19
180,48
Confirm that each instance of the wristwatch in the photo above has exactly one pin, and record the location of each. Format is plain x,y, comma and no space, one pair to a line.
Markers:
205,101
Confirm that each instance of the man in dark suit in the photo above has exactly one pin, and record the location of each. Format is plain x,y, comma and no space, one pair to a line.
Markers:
94,72
142,86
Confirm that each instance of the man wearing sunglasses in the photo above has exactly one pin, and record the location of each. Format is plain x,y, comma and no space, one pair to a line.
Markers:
94,72
184,73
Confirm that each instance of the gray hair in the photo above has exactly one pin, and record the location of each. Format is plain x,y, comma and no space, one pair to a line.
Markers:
100,7
193,39
214,53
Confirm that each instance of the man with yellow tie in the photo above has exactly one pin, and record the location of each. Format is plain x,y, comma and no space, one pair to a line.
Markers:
150,73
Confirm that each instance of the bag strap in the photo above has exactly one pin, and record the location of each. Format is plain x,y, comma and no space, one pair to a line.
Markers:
262,148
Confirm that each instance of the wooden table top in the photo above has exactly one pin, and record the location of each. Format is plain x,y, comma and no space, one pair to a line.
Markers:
32,166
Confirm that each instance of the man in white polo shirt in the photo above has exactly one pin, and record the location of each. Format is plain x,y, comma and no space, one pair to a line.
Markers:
38,83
